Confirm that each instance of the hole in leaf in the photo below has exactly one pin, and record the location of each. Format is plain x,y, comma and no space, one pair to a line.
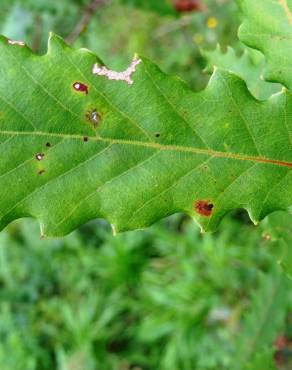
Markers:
94,117
79,86
39,156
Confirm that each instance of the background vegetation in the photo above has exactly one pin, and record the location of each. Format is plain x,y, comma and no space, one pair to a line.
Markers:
165,298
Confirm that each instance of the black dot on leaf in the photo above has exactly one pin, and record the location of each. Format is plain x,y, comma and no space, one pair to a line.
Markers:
48,144
85,139
157,134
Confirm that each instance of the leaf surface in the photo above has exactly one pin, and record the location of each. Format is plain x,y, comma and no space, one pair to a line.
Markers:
162,7
267,27
249,66
77,145
261,324
276,230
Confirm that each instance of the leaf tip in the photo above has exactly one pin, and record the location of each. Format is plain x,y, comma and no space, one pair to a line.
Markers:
55,43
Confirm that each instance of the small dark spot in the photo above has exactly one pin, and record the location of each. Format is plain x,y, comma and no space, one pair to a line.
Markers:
78,86
48,144
41,172
204,207
157,134
94,117
39,156
85,138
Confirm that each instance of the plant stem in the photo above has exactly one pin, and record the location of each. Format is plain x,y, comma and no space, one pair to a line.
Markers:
89,12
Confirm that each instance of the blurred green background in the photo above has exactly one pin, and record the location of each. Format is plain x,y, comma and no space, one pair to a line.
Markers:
165,298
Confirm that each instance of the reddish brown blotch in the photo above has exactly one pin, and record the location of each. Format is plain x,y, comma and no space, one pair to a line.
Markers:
79,86
189,5
282,354
204,207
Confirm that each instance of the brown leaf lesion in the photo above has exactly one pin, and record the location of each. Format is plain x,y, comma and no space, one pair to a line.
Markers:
204,207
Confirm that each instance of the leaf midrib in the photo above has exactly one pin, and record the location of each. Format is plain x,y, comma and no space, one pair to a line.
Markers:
165,147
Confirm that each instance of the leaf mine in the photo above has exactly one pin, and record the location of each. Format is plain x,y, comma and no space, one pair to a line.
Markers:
118,76
14,42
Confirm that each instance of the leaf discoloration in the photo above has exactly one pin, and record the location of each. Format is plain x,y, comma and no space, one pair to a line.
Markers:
204,207
125,76
80,87
39,156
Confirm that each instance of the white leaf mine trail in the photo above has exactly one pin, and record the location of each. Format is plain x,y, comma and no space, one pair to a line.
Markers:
118,76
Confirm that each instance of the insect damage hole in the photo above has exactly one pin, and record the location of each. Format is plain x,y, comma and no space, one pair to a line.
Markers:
80,87
39,156
204,207
118,76
94,117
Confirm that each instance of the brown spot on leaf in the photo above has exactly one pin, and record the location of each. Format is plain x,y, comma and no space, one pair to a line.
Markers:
94,117
85,138
39,156
41,172
79,86
204,207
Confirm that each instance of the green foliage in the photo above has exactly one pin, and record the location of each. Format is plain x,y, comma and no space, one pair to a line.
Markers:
249,66
277,232
263,361
168,297
162,7
267,27
262,325
159,299
154,137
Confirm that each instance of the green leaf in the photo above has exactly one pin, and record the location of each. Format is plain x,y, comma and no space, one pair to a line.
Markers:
134,152
277,232
267,27
262,361
162,7
262,325
249,66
